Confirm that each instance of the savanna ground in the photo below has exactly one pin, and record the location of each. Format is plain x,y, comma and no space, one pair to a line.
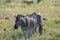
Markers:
50,9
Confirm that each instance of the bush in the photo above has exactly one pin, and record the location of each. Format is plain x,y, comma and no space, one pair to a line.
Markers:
8,1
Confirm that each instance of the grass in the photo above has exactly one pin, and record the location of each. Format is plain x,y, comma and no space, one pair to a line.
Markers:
53,26
51,30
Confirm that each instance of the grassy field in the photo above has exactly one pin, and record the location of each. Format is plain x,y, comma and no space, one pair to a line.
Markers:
50,9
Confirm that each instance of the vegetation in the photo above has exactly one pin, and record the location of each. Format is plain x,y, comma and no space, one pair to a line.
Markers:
51,29
8,1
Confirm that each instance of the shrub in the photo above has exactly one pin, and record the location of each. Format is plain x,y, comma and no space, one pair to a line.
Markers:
8,1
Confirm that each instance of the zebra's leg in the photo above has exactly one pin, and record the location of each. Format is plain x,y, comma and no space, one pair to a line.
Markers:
34,29
40,30
28,34
24,34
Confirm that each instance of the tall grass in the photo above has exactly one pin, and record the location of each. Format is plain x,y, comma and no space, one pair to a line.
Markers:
50,31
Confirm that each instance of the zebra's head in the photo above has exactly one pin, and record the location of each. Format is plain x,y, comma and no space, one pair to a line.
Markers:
18,21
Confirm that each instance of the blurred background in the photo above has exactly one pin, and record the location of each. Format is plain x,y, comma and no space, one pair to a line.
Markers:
50,9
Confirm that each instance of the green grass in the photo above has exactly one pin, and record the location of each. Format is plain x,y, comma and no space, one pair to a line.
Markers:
51,30
53,26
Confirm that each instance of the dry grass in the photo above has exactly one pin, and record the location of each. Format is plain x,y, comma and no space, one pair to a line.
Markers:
51,29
